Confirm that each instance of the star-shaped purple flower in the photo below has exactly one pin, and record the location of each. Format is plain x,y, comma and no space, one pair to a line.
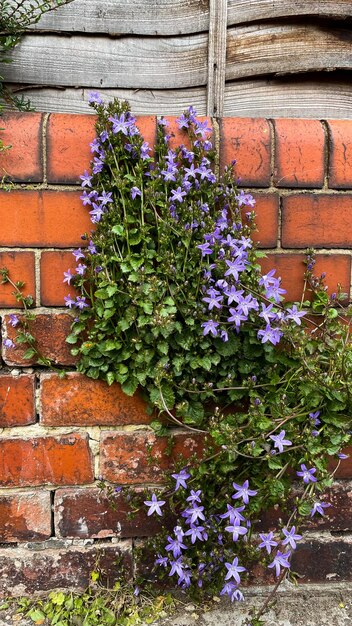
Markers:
154,505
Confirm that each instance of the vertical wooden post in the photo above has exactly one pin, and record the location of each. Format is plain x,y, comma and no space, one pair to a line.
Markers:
216,57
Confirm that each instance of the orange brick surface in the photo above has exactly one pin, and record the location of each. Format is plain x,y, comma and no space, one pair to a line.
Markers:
50,332
140,457
320,221
21,266
78,400
267,219
17,400
42,218
299,153
23,161
248,141
64,460
25,517
340,167
53,264
291,268
68,150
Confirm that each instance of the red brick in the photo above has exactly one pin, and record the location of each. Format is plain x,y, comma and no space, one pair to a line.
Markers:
21,266
52,268
17,400
267,219
88,513
317,561
50,332
291,268
42,218
78,400
64,460
25,517
68,142
248,141
23,161
340,144
344,467
28,571
179,136
299,153
68,150
320,221
125,457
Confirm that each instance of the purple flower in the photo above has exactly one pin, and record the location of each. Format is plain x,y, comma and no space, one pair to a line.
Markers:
175,545
234,514
69,302
105,197
315,418
78,254
280,560
205,248
181,479
202,128
68,277
268,541
194,497
267,313
161,560
318,507
307,474
91,248
194,513
154,505
86,179
234,267
280,441
291,537
80,269
197,532
14,320
121,124
270,334
236,530
210,327
94,98
81,302
176,567
8,343
343,456
233,570
135,192
295,314
214,299
237,318
145,150
243,492
86,198
178,195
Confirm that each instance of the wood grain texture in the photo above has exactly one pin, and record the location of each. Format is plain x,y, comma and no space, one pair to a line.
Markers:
289,48
143,102
216,57
101,62
293,98
241,11
139,17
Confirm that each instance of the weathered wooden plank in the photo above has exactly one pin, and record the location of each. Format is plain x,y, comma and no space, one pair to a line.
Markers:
101,62
294,97
139,17
268,48
143,102
216,57
241,11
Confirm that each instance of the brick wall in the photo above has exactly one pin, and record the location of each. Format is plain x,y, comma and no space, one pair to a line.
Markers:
58,436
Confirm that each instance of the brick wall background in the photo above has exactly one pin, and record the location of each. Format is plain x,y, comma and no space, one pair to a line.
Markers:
58,436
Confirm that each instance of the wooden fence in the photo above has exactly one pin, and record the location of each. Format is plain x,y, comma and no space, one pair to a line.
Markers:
272,58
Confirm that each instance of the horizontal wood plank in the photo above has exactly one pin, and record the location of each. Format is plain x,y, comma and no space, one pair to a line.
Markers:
143,102
241,11
293,98
289,48
139,17
102,62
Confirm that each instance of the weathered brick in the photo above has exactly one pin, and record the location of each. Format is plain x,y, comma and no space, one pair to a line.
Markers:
139,457
88,513
320,561
299,153
179,136
291,268
317,220
340,143
64,460
50,331
53,264
267,219
25,517
23,161
28,571
343,467
21,266
57,218
248,141
17,400
76,400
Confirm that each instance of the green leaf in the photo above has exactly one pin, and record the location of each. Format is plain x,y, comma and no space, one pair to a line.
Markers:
30,353
110,378
72,338
118,229
129,387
